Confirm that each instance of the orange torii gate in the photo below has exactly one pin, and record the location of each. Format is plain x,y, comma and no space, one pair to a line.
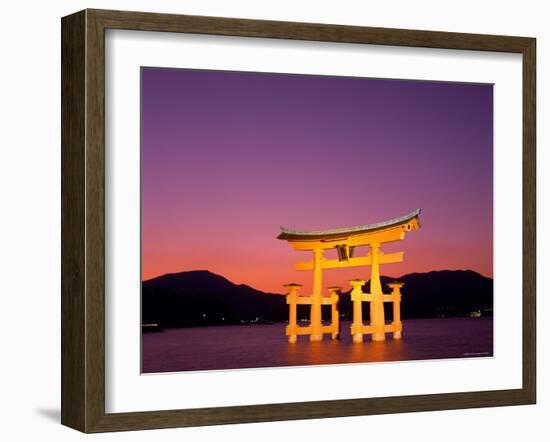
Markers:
344,240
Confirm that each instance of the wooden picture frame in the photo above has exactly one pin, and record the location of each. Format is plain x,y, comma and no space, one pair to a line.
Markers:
83,220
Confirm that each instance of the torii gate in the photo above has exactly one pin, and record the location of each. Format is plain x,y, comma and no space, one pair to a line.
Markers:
344,240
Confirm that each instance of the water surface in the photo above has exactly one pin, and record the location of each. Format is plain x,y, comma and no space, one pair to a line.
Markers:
253,346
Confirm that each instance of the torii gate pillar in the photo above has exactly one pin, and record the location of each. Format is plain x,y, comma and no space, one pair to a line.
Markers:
315,316
377,304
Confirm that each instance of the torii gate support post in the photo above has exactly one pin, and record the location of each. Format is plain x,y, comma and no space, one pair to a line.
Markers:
377,320
334,313
291,300
396,295
357,299
315,315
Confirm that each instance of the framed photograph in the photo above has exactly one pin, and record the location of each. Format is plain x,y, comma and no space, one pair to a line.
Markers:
269,220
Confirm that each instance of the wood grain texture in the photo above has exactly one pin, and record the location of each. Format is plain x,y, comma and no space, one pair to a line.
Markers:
83,220
73,125
145,21
529,221
95,222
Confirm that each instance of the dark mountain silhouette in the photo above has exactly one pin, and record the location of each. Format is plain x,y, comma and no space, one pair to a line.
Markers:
203,298
436,294
446,293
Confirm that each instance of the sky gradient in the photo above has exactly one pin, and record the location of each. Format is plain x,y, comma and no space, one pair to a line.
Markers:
228,157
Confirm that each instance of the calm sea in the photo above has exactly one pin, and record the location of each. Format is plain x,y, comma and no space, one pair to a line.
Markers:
253,346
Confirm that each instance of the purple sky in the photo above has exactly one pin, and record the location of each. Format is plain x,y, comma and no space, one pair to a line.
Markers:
228,157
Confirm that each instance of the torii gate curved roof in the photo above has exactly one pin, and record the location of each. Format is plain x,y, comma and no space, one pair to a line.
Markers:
345,232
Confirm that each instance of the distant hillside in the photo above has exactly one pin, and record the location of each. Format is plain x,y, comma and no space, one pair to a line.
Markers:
203,298
443,293
446,293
